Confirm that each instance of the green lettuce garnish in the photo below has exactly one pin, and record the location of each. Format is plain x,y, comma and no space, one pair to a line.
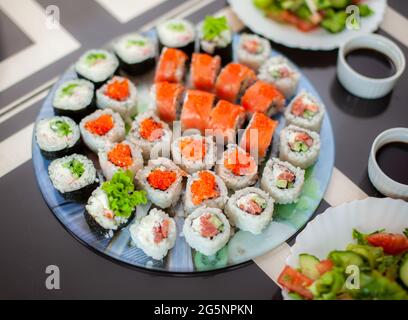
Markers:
213,27
62,128
121,194
92,58
76,167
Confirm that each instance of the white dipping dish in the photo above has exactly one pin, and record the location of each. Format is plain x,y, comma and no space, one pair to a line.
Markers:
360,85
379,179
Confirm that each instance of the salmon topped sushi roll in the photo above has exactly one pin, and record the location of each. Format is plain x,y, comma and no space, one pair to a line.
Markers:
204,71
167,100
172,66
263,97
258,135
226,118
196,110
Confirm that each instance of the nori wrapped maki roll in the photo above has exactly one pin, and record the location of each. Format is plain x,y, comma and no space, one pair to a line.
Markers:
177,34
136,53
57,137
75,99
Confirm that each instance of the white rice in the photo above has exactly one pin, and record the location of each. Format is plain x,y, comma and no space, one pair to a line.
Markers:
269,72
150,149
134,48
192,166
96,142
81,98
142,233
109,169
50,140
269,179
245,221
315,123
162,199
206,246
299,159
218,202
253,60
99,71
231,180
62,178
126,108
173,38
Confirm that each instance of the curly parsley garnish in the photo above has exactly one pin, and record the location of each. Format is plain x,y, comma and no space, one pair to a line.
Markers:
213,27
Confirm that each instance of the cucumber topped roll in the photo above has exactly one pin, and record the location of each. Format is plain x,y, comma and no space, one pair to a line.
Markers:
215,38
155,234
136,53
102,127
253,50
283,181
97,66
74,99
305,111
250,209
57,137
207,230
178,34
299,146
73,176
120,95
113,205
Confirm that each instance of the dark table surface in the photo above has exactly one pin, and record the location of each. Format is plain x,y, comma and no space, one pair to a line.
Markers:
31,238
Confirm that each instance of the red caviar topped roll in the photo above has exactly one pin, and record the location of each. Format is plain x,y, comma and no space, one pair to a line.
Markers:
204,188
151,130
118,90
101,125
121,155
161,179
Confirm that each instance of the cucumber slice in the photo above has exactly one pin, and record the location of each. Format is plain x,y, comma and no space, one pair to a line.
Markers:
216,261
346,258
371,254
281,184
403,271
308,265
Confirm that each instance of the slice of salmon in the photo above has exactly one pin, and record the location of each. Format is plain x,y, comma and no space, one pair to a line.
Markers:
196,110
204,71
168,96
171,66
233,80
258,135
261,97
208,229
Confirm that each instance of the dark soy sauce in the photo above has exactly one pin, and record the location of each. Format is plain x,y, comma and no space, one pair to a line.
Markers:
393,161
371,63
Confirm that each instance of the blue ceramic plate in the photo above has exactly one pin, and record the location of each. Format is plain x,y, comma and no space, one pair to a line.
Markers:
243,246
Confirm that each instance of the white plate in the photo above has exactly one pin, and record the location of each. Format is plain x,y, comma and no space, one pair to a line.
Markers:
332,230
289,36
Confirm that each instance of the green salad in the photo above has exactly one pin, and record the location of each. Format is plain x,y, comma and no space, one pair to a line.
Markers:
308,15
374,267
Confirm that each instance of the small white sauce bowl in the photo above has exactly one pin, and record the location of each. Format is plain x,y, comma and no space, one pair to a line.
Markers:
379,179
360,85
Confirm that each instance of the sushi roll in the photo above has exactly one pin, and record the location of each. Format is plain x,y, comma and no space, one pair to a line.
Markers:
178,34
233,81
155,234
120,156
171,66
253,51
299,146
194,153
162,180
112,206
74,99
204,71
215,38
167,100
100,128
283,181
57,137
136,53
258,135
263,97
151,135
305,111
225,119
279,72
250,209
196,110
97,66
207,230
73,176
204,188
237,168
120,95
